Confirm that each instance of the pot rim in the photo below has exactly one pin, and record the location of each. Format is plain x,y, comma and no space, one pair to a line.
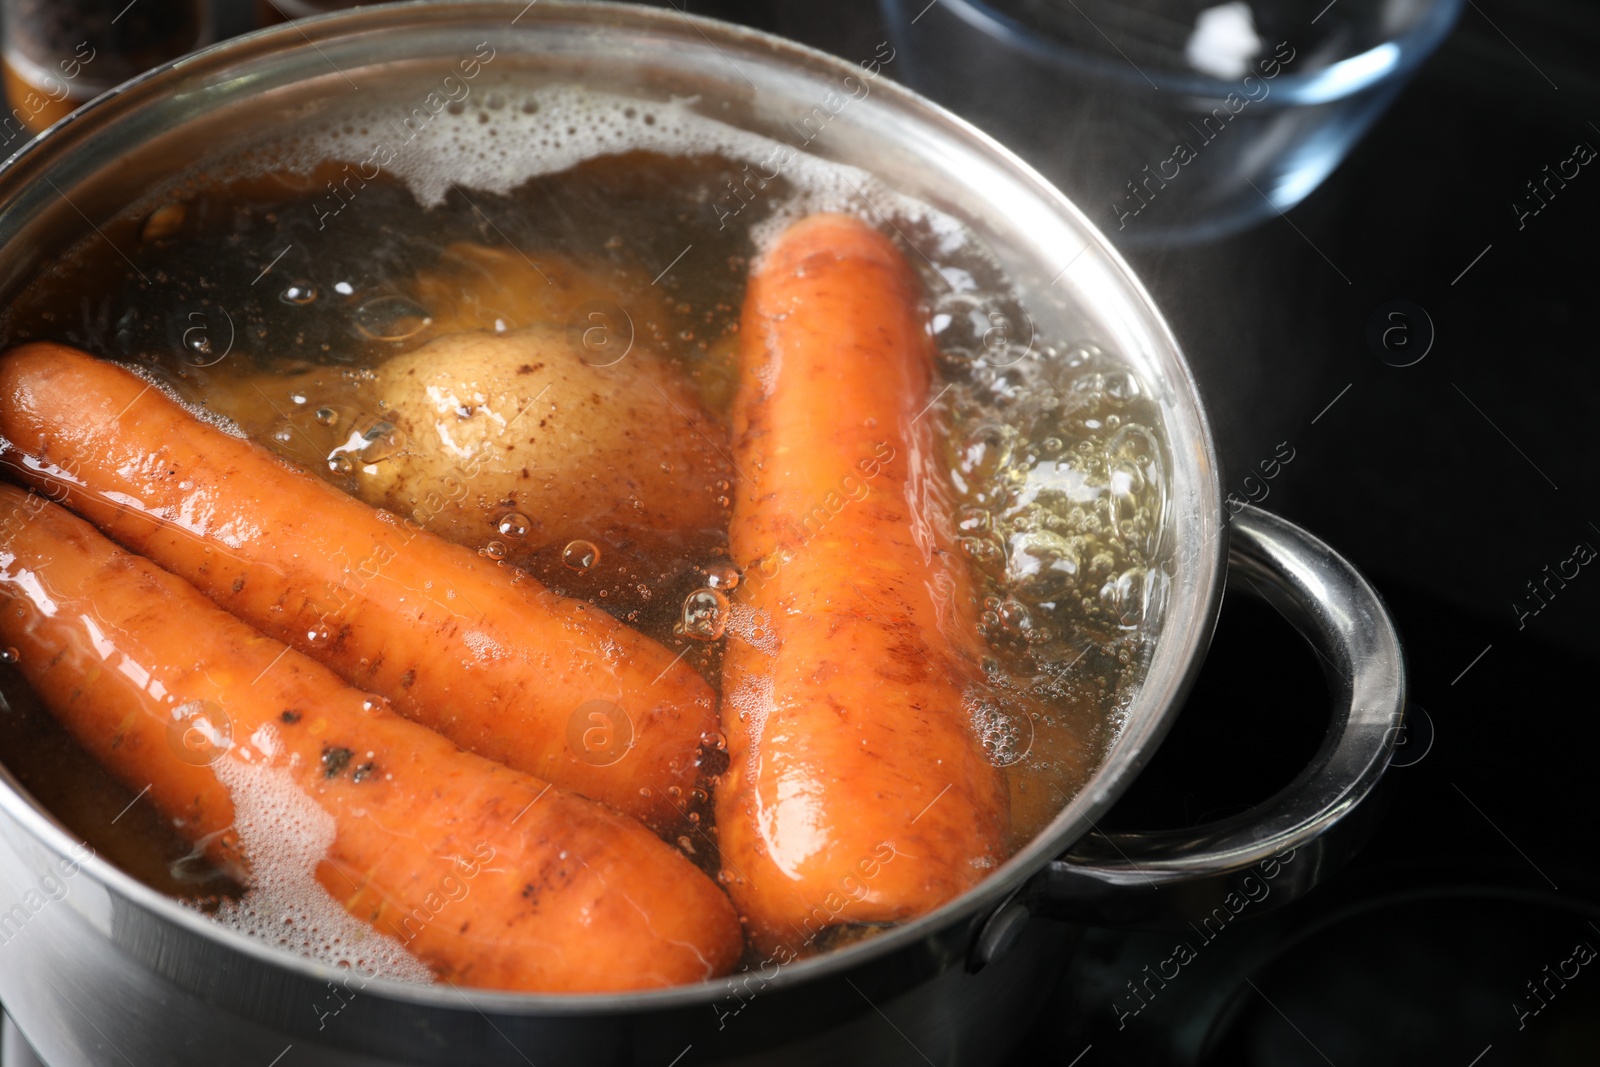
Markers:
1178,649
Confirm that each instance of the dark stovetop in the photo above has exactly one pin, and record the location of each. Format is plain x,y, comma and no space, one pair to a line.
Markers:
1451,483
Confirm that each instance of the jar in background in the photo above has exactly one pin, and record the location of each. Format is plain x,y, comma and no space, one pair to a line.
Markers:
1169,121
59,54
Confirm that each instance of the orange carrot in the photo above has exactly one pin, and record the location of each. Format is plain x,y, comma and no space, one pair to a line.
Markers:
857,791
481,653
566,895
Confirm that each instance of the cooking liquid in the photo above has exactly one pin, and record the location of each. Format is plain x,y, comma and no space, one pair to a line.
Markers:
299,275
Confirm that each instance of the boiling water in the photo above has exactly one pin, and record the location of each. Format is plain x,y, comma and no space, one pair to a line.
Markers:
299,270
286,835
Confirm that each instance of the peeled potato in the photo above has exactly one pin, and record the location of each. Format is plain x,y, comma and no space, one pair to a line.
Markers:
526,423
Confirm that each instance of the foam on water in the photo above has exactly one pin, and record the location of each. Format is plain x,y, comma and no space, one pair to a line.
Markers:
753,700
999,730
285,835
753,627
211,418
503,135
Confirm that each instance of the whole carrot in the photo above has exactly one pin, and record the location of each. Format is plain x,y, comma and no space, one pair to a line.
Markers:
857,791
196,709
482,653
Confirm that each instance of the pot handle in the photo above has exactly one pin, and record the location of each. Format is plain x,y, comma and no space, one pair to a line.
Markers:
1282,847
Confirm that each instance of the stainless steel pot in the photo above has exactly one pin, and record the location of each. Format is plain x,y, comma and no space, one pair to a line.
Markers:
112,972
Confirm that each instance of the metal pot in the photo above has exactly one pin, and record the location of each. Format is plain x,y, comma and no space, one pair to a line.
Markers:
114,972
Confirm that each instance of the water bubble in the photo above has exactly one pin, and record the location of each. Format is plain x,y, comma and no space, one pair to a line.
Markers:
495,550
979,549
1137,479
981,330
391,318
580,555
1088,390
1120,385
711,758
199,732
1083,354
705,615
514,524
9,655
205,335
722,575
1014,616
198,343
1043,564
372,440
1127,596
1006,737
379,441
299,293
